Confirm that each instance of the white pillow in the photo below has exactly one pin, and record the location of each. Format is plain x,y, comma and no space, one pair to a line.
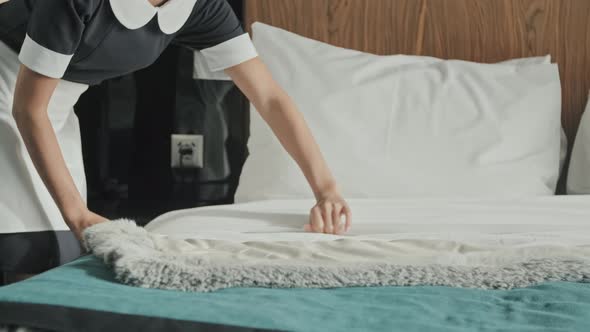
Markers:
578,178
408,126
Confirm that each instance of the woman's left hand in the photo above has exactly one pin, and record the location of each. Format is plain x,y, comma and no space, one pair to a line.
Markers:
326,215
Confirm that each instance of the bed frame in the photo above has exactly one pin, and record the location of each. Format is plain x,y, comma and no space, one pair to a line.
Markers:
474,30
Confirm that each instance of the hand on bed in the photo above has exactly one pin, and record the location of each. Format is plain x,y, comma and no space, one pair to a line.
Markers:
326,216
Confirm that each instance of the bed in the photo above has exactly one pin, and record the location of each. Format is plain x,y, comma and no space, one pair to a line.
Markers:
84,295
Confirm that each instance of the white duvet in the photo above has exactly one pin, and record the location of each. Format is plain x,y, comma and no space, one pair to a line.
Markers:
457,242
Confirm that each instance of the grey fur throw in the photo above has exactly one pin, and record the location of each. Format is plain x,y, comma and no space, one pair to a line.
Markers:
142,259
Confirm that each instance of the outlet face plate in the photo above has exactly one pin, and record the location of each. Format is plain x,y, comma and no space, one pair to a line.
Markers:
186,151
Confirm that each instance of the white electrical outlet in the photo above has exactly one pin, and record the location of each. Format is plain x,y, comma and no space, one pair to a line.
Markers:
187,151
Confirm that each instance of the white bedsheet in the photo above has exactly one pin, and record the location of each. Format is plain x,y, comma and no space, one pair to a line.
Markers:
404,231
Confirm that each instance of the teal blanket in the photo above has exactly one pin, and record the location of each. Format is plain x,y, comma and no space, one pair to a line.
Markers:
88,284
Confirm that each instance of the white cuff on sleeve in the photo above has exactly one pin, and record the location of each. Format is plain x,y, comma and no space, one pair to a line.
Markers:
230,53
201,70
42,60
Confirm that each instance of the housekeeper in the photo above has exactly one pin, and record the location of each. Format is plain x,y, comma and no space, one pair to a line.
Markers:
52,50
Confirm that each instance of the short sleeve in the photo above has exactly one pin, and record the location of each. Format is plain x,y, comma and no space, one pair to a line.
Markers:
215,31
54,32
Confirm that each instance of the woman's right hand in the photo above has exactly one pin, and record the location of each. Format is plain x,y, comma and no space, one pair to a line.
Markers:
85,220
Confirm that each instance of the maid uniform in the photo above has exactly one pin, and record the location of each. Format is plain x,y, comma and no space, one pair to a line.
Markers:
83,42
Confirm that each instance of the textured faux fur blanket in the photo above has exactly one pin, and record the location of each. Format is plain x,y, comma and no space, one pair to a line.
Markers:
143,259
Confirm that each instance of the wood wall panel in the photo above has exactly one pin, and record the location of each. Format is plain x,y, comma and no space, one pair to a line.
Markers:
475,30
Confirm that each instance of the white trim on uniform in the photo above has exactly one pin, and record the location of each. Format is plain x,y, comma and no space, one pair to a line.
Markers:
201,70
43,60
230,53
174,14
134,14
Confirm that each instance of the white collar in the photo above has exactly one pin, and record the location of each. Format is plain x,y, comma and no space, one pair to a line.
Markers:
134,14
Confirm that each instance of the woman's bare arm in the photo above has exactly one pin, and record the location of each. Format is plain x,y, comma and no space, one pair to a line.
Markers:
32,95
288,124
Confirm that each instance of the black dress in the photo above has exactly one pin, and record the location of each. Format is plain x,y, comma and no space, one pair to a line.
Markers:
83,42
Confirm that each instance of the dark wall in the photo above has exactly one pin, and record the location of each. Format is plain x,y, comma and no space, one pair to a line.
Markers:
127,124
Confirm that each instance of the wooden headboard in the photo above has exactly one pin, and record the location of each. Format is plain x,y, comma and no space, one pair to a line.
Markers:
474,30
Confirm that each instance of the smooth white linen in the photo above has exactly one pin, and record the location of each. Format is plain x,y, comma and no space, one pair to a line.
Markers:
393,126
578,179
412,231
25,203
